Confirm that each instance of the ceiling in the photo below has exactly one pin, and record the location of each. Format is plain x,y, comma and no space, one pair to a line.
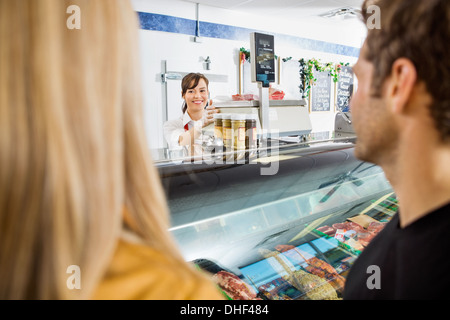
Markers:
286,9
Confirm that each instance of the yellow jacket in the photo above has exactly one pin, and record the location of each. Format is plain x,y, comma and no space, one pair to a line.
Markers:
139,272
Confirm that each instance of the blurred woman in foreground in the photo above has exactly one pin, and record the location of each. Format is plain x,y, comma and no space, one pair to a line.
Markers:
77,185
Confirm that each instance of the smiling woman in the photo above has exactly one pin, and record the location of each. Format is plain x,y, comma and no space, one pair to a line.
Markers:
194,86
198,112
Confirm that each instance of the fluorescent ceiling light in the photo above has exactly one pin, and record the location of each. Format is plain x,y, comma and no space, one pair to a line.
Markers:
342,13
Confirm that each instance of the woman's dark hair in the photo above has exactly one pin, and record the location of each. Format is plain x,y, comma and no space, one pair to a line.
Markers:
419,31
190,81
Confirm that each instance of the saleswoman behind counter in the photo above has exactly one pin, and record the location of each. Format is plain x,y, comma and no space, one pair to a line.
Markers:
198,112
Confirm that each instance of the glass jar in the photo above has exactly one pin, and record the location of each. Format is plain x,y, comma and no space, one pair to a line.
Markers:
250,131
238,129
227,131
218,130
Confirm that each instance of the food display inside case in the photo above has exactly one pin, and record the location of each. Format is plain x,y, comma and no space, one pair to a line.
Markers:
291,235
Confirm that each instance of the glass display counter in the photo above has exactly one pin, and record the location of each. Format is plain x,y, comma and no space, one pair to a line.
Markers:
293,234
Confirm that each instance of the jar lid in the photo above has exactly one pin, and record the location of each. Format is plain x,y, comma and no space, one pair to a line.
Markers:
218,116
238,116
226,116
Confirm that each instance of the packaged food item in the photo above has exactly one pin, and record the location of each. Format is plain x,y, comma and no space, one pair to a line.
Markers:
251,136
376,227
327,230
340,235
277,95
227,131
363,220
350,233
244,97
354,244
237,97
315,287
234,287
319,268
238,135
365,237
238,130
218,129
349,225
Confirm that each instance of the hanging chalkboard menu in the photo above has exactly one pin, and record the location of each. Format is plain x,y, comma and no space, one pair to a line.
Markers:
344,89
320,94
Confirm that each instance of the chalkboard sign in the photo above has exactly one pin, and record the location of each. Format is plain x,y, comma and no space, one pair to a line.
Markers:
320,94
344,89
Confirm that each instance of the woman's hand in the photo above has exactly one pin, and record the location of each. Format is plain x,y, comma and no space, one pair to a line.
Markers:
208,114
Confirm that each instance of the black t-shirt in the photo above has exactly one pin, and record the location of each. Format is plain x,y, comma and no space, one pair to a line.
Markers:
409,263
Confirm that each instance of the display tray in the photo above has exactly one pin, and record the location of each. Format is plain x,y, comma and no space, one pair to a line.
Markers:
293,234
296,247
306,260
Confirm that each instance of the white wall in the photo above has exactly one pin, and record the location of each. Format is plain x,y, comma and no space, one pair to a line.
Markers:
157,46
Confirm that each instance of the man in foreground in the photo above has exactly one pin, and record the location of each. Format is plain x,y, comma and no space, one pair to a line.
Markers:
401,115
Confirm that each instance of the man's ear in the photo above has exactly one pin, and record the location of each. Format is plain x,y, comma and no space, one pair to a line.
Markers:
401,83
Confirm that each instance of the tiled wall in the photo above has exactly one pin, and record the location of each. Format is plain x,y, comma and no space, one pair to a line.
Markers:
165,23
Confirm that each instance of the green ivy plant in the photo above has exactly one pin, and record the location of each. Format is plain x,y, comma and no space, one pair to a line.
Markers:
306,76
306,72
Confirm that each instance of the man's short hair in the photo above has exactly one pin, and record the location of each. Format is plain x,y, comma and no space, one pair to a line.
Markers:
419,31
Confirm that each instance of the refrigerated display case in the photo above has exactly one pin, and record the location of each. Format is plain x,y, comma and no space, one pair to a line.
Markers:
293,234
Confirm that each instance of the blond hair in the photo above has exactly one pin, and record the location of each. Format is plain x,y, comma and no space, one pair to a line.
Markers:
73,153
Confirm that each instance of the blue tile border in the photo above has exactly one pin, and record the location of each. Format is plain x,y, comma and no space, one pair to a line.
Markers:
158,22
